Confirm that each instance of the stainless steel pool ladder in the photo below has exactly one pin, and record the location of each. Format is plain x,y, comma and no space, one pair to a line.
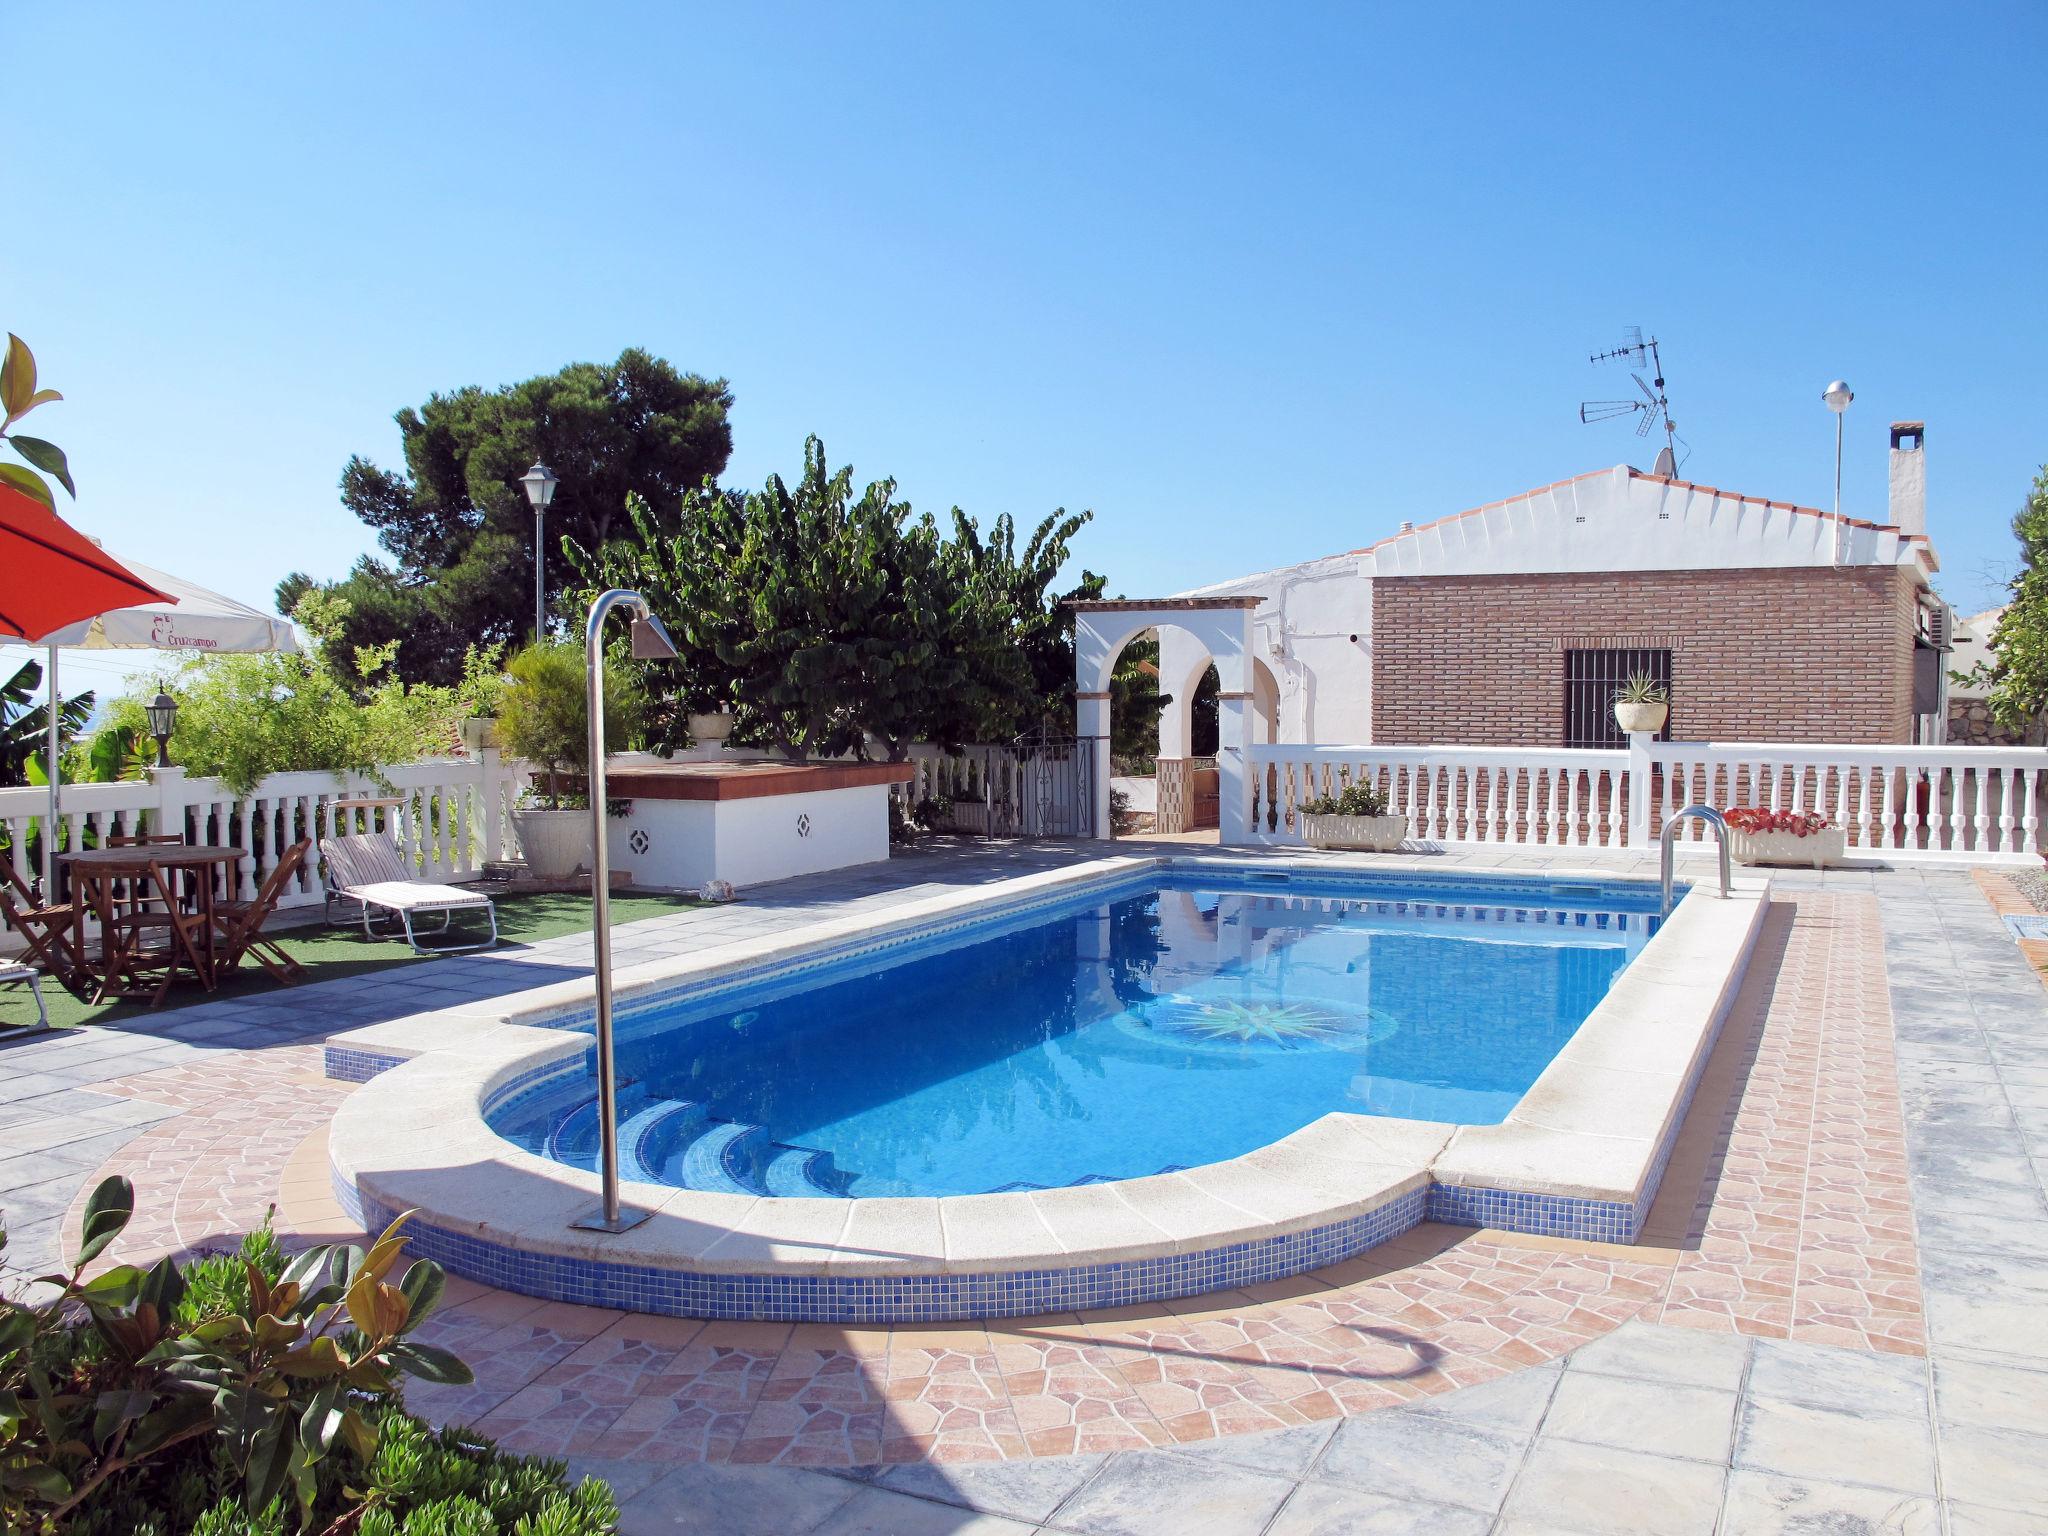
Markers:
1713,819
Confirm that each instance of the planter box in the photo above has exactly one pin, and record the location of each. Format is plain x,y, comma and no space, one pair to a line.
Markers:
1821,850
968,816
1368,834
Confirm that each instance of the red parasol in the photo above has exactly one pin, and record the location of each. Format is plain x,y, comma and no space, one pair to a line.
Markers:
52,575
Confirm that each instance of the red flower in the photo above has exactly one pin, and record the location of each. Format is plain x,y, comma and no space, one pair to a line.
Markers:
1754,819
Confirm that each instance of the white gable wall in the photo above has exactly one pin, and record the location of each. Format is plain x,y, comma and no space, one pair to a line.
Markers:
1610,520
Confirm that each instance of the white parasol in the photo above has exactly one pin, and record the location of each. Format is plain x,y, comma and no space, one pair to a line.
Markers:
201,621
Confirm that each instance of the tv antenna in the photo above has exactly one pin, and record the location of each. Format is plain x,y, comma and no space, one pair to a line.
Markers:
1652,408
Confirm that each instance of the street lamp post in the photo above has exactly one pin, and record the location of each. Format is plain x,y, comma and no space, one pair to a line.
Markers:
1837,396
540,483
650,643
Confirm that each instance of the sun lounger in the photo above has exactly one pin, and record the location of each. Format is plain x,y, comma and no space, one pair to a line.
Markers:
367,868
26,976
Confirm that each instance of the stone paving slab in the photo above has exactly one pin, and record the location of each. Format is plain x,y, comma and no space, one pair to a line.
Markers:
1968,1011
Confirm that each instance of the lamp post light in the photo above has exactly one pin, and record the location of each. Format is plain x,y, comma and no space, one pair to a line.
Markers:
540,483
1837,396
650,643
163,715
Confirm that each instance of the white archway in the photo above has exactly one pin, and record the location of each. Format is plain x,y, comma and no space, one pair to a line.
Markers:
1222,627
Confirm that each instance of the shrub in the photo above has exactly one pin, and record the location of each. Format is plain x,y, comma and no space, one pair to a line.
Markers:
1642,689
544,714
1360,799
249,1394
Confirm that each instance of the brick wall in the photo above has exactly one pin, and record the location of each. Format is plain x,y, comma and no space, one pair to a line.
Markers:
1757,655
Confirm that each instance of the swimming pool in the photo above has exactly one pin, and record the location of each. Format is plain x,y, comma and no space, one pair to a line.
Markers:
1180,1021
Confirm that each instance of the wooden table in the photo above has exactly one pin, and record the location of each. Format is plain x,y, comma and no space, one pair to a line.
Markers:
96,874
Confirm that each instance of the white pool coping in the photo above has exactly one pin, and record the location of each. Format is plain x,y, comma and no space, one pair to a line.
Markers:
1595,1126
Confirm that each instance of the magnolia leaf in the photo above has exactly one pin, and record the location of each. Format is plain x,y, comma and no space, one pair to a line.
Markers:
322,1419
29,483
304,1266
163,1287
423,1284
388,1247
175,1417
113,1409
17,377
32,1477
271,1333
390,1309
430,1363
270,1456
319,1358
360,1435
107,1211
45,455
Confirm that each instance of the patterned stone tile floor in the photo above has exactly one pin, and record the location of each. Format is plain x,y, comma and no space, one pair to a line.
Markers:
1758,1363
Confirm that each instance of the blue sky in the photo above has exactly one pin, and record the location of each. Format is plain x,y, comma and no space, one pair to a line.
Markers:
1254,283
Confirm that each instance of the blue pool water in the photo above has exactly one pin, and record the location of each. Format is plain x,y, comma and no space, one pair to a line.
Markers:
1119,1035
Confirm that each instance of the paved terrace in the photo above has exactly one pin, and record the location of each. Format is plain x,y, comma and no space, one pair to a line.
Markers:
1835,1322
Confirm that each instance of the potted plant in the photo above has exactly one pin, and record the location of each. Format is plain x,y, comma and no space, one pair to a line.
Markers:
1642,704
1356,818
545,720
1757,836
482,687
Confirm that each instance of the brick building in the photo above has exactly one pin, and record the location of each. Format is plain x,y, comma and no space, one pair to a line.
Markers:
1514,623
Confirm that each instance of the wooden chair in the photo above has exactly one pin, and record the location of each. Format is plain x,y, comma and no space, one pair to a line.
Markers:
145,840
47,930
152,940
240,923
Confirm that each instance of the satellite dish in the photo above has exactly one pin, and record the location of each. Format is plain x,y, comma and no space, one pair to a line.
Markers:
1667,463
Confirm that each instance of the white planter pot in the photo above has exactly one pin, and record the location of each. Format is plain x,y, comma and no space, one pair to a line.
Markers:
553,843
1641,717
1369,834
1820,850
711,729
480,732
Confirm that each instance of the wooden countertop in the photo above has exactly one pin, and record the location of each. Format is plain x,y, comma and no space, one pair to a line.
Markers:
744,781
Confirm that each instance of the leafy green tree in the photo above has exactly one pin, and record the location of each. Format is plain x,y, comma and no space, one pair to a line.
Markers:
1135,702
24,727
457,526
2018,669
821,617
241,718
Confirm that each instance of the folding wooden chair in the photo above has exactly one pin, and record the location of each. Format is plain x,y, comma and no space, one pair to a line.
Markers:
143,840
153,939
240,923
47,930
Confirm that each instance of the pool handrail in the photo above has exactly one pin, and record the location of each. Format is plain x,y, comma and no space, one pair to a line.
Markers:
1713,819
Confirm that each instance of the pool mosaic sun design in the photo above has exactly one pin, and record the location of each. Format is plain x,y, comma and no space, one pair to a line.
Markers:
1284,1026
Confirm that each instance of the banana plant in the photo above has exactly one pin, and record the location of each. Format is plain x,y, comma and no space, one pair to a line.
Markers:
18,396
276,1380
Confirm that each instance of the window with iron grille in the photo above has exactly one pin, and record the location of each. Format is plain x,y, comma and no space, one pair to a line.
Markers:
1591,680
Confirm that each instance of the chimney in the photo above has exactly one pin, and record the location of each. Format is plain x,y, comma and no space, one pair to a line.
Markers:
1909,477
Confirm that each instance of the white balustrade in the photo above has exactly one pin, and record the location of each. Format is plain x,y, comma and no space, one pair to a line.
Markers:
1974,804
451,821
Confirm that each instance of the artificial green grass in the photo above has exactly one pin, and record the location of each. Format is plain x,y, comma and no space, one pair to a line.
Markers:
331,953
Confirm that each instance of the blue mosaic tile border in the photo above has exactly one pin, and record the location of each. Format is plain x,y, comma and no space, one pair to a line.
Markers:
351,1066
896,1298
1514,1210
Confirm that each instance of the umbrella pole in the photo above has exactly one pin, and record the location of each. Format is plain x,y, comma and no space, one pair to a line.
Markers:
50,821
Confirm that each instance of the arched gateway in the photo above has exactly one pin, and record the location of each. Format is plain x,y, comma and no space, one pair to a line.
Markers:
1222,627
